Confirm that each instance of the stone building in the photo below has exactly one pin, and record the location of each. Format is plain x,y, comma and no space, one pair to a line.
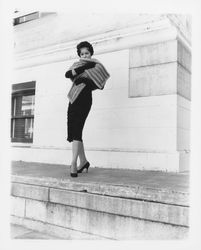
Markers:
141,120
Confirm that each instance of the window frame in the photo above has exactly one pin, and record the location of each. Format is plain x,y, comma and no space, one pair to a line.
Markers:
24,18
21,89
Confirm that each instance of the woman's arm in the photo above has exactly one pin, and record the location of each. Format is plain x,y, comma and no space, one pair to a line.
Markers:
79,70
69,74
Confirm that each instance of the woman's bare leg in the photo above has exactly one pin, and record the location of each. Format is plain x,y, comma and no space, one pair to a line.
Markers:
82,155
75,153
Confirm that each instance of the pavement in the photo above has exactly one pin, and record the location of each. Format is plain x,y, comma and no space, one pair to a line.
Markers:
178,182
20,232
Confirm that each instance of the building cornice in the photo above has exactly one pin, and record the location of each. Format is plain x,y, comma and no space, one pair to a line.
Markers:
139,35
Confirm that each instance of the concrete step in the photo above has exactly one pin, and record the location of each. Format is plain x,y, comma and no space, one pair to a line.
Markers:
79,209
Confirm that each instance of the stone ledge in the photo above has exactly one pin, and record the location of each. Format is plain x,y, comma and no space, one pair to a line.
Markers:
105,198
137,209
29,191
144,193
116,204
151,211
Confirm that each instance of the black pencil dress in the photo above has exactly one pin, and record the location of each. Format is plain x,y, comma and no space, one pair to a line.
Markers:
79,110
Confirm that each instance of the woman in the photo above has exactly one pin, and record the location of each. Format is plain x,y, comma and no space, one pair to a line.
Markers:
87,75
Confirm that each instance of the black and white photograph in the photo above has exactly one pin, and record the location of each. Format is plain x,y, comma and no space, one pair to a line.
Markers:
100,131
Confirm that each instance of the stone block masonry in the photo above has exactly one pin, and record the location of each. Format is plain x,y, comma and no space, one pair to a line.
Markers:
104,209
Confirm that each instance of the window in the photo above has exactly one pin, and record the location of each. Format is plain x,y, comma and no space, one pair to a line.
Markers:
26,18
22,113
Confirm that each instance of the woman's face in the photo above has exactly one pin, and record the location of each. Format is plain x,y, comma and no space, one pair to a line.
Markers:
85,53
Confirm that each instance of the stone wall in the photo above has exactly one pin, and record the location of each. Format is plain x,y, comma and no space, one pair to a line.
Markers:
106,211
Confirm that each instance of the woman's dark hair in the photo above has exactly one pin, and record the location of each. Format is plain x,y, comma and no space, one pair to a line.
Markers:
85,44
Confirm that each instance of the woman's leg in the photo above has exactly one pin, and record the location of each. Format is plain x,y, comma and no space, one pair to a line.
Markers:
75,153
82,155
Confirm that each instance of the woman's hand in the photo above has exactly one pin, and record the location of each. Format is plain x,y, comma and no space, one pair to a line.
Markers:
69,74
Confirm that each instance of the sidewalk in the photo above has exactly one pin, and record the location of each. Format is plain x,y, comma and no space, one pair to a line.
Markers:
20,232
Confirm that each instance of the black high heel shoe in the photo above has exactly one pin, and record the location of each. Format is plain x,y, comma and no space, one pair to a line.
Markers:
73,174
85,166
